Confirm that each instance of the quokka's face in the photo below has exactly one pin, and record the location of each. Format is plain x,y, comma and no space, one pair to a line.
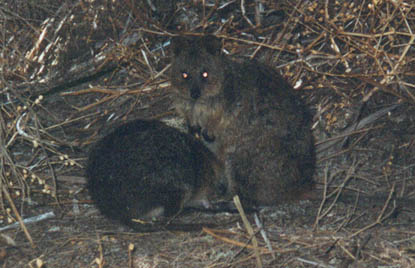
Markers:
196,81
197,71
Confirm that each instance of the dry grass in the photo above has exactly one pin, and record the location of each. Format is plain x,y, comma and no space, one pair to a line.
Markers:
69,71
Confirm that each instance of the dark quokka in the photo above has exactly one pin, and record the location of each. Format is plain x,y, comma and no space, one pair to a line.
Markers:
248,116
145,170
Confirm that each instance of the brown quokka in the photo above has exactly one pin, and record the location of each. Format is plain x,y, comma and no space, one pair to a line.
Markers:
248,116
145,170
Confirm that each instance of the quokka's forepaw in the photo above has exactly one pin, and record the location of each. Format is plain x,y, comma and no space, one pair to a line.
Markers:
208,138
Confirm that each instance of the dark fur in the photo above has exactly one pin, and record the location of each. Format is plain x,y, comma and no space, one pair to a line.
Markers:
146,170
248,116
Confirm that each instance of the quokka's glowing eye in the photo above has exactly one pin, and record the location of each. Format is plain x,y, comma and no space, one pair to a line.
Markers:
205,75
185,75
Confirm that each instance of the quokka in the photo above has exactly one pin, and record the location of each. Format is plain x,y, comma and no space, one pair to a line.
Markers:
248,116
146,170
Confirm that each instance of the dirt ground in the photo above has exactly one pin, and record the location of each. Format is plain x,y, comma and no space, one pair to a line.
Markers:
73,70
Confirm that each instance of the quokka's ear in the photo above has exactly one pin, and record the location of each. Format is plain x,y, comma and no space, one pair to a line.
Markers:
211,43
178,43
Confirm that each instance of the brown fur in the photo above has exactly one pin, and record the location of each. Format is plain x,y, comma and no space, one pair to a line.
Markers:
248,116
146,169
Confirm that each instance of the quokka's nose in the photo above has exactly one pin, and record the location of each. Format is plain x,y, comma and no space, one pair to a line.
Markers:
195,92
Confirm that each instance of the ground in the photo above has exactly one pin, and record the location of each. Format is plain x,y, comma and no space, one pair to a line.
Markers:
72,71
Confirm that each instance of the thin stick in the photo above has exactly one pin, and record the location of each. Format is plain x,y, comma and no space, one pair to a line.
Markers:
249,229
381,216
16,213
